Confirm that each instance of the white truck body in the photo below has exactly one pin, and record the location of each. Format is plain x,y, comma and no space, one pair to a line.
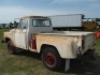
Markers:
40,38
74,20
68,43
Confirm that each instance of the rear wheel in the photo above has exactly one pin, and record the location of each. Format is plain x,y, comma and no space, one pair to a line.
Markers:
11,48
51,58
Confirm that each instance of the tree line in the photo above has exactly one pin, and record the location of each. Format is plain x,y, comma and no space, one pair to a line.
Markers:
9,25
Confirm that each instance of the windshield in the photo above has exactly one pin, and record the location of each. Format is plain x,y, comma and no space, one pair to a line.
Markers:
41,23
23,23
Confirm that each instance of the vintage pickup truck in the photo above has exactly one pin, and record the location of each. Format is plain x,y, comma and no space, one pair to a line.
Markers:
35,33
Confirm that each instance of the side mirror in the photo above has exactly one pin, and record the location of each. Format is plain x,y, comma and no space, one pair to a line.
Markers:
15,24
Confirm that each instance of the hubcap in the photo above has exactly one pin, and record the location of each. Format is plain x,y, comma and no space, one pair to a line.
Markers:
50,58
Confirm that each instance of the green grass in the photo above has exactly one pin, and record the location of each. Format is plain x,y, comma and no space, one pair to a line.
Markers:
2,46
98,46
27,63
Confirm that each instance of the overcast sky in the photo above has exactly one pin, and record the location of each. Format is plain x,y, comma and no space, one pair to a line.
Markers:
10,9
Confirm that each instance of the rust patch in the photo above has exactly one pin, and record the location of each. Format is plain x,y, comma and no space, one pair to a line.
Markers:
32,44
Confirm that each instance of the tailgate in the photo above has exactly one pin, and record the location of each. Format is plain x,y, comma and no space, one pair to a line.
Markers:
89,41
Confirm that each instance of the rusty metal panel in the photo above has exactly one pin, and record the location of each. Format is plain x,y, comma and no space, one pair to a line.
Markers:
63,44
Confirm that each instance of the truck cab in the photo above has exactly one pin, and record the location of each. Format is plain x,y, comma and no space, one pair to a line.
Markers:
29,26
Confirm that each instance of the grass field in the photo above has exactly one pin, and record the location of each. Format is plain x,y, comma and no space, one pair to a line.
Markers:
27,63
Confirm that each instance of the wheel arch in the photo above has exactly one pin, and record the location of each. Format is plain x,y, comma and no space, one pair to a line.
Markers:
47,45
7,39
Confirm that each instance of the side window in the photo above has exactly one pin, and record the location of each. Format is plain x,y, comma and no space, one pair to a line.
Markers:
41,23
23,24
37,23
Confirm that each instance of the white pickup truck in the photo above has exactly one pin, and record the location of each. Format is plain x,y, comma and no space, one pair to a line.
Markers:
35,33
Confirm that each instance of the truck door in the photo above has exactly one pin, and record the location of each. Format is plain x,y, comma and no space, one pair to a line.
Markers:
21,34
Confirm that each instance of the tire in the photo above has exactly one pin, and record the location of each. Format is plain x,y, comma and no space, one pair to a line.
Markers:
11,48
51,58
89,55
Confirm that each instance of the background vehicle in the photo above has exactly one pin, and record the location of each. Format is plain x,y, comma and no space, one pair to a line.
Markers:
74,22
91,23
67,22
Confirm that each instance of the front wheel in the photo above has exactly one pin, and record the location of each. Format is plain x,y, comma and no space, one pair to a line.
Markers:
51,58
11,48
